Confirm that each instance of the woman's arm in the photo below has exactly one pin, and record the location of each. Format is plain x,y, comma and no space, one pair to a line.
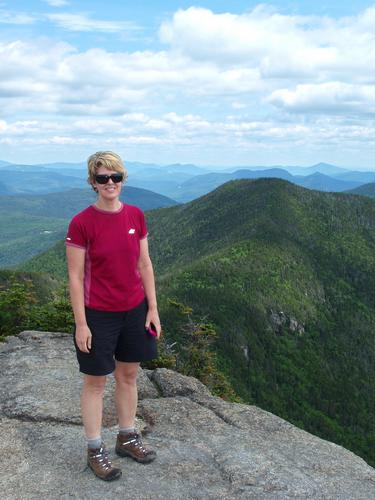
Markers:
147,275
76,265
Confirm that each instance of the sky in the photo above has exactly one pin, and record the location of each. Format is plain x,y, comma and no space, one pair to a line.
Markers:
211,82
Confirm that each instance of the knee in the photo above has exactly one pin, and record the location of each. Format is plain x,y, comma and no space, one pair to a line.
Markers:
126,378
94,384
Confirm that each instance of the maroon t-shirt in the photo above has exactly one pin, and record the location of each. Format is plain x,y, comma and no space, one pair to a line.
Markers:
111,240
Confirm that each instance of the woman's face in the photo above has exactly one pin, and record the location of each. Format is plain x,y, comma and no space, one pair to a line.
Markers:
111,190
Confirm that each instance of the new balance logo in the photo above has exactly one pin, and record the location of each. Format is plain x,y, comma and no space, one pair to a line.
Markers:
131,231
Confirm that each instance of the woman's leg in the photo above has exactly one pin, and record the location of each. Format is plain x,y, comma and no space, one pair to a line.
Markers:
92,411
129,441
92,404
126,393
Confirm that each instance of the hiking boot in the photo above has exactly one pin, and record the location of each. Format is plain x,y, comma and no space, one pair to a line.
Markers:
98,461
130,445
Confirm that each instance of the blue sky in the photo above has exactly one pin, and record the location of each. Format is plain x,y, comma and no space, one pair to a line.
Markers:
211,83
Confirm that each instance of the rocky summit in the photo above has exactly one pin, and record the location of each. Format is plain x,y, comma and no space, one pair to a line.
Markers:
207,448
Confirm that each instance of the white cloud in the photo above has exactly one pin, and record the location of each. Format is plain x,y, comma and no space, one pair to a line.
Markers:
81,22
277,46
202,33
8,17
253,80
329,97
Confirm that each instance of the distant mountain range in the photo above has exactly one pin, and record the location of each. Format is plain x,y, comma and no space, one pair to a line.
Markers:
30,224
181,182
287,277
365,190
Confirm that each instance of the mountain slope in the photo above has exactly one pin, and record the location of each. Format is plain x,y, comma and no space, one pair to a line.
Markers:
287,276
365,190
323,182
29,224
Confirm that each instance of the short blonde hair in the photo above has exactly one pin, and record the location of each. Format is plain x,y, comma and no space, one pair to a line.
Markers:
107,159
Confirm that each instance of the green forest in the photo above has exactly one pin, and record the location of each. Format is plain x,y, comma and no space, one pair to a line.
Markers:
266,293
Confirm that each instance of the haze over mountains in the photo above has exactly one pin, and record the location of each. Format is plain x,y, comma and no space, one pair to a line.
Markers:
37,201
179,182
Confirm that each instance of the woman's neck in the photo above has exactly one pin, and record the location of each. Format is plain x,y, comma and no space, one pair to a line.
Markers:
108,205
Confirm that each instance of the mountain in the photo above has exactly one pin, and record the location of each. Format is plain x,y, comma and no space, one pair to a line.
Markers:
365,190
323,182
287,277
29,224
25,180
56,177
322,168
68,203
162,179
202,184
362,177
182,182
3,189
44,284
175,168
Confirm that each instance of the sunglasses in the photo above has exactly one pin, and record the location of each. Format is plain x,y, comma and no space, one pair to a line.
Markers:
104,178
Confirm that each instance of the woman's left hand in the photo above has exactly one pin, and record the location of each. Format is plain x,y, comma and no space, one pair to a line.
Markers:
153,317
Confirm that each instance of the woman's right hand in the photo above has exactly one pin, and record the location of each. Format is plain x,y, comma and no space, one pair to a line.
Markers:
83,338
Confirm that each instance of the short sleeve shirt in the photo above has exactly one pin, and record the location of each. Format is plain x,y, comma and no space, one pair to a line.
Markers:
111,241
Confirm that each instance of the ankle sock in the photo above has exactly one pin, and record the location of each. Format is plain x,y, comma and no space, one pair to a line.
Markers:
126,430
94,443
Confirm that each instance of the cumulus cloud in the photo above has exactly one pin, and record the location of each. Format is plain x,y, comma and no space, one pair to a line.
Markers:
248,80
277,46
329,97
232,38
166,129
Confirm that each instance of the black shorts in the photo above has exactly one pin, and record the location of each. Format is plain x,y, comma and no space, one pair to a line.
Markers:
116,335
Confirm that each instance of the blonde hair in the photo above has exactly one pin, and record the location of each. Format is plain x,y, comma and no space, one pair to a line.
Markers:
107,159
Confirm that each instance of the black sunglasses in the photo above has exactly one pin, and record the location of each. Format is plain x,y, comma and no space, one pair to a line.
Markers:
104,178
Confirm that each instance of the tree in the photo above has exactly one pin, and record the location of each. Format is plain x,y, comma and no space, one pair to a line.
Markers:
16,301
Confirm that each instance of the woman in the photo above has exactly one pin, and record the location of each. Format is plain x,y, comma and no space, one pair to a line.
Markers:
113,297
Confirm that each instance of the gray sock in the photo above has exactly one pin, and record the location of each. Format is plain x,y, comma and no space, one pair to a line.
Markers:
126,430
94,443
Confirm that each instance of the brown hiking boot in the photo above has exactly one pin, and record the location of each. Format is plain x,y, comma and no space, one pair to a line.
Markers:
130,445
98,461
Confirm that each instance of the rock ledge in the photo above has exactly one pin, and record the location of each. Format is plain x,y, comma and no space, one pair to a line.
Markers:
207,448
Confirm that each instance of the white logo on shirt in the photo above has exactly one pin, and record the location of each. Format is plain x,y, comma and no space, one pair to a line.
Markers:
69,239
131,231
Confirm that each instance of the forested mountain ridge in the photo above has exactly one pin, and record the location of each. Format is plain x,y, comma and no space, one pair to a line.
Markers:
287,277
67,203
365,190
29,224
181,182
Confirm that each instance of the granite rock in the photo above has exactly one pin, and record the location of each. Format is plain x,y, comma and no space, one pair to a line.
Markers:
207,448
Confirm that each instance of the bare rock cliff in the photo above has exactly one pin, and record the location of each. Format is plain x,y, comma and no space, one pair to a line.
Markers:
207,448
